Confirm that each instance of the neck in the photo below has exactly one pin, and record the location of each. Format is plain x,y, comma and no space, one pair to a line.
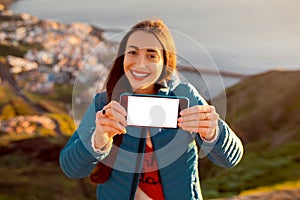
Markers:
144,91
153,89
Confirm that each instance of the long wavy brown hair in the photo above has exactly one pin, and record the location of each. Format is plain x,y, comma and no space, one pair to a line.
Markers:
117,82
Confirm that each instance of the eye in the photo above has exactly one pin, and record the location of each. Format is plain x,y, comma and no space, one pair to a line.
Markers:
132,52
153,56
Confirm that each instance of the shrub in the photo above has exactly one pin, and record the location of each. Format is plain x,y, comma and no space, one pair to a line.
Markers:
8,112
66,123
21,107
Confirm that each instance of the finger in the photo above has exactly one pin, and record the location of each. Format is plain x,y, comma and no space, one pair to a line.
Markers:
114,110
118,107
108,122
194,117
198,124
111,131
206,132
111,113
197,109
119,118
199,116
202,131
100,115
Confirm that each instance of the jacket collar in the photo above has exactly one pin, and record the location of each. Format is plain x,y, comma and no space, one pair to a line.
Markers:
169,86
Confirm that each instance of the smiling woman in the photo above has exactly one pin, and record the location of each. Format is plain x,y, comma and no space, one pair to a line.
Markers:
147,55
143,163
143,62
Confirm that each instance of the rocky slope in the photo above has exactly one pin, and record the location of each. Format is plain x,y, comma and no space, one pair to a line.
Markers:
264,110
266,106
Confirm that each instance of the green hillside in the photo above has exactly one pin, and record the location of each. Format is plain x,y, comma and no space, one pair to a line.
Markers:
264,110
266,106
29,150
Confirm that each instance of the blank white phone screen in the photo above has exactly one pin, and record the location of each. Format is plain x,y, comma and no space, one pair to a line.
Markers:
152,112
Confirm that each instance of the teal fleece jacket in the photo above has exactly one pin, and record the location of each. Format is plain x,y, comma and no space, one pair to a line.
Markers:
175,150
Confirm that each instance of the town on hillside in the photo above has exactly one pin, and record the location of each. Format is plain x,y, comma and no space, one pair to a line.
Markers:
55,52
37,54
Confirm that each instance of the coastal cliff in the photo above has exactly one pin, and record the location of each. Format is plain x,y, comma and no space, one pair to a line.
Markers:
264,110
266,106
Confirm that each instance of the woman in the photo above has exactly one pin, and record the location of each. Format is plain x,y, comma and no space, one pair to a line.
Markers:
151,163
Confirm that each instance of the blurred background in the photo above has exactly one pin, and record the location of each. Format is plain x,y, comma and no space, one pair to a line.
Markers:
243,57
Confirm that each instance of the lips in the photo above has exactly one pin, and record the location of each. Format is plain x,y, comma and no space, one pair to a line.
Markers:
139,75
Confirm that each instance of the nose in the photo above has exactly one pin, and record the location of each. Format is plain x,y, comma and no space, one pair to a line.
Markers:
141,61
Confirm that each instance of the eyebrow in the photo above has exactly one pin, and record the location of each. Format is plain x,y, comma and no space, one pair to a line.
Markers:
148,50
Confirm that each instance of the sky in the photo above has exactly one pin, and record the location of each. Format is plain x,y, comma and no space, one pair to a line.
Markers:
239,35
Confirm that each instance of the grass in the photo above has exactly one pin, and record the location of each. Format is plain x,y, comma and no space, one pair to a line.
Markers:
66,123
12,105
32,179
58,101
5,95
35,174
6,50
266,117
258,168
55,105
288,185
6,139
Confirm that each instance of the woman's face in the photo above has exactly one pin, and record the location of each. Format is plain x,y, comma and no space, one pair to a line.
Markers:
143,61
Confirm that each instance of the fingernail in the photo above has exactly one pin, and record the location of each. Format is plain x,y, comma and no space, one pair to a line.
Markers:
180,119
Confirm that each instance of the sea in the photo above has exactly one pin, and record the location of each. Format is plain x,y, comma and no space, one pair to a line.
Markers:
246,37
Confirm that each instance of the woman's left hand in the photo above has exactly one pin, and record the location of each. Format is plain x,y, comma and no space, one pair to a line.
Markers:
200,119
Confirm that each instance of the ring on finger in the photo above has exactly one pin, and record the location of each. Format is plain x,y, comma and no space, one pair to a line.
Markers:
104,111
206,116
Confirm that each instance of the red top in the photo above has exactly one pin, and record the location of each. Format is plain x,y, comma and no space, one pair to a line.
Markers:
150,181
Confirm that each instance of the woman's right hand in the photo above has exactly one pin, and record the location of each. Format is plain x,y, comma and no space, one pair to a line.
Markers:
109,124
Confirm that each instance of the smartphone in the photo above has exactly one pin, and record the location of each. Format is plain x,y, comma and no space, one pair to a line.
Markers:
153,110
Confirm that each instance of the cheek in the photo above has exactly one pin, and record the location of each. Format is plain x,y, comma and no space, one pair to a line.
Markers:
159,69
125,65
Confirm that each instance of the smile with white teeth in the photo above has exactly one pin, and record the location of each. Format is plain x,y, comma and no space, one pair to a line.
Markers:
139,75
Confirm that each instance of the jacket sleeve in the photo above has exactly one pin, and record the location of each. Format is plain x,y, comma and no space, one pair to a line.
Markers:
227,150
77,159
